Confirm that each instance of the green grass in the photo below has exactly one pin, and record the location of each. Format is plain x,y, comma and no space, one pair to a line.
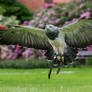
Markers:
36,80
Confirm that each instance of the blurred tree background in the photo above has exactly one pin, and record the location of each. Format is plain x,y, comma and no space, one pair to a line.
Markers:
14,8
62,14
13,12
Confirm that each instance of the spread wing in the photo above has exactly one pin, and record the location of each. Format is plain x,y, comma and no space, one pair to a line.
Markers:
29,37
79,34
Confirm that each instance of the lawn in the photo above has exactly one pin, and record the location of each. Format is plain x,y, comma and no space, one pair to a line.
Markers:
36,80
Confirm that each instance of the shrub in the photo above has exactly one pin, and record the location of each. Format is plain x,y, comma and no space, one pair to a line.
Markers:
21,64
74,64
8,20
2,10
13,7
61,14
89,61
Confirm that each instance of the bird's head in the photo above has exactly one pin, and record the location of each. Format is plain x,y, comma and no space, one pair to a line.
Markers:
51,28
51,31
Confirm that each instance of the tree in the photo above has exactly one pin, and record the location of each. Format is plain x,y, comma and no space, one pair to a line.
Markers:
13,7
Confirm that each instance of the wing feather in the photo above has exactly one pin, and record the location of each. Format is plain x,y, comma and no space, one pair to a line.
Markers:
29,37
79,34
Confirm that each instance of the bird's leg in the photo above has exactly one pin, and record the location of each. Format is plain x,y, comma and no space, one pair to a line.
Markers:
60,60
50,69
57,60
54,61
59,67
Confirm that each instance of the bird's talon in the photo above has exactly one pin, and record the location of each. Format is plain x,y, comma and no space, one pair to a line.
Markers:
63,59
58,58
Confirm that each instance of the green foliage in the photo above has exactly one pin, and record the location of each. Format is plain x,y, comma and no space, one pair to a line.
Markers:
8,2
21,64
2,10
13,7
74,64
89,61
8,20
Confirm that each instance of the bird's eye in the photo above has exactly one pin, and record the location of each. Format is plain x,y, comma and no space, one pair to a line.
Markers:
50,26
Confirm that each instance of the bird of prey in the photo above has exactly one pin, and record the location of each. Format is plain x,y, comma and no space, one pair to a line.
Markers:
60,43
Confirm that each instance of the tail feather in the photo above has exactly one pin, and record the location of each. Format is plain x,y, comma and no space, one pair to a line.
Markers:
50,53
70,55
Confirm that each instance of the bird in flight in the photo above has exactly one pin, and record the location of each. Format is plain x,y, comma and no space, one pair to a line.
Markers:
60,44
